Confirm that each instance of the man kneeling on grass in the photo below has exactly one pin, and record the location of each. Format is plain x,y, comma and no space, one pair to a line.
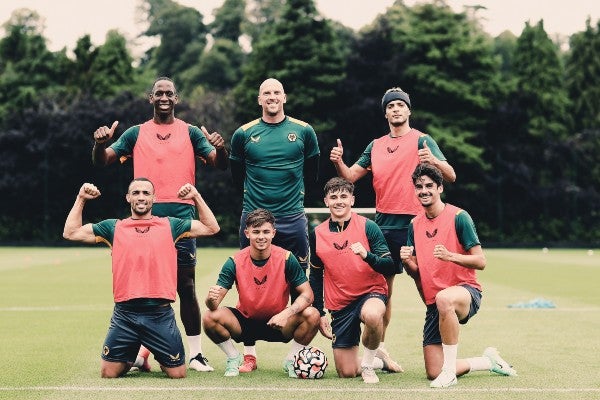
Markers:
448,253
144,265
264,274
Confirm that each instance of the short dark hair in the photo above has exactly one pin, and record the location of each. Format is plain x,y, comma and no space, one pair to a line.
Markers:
338,185
429,170
258,217
162,78
140,179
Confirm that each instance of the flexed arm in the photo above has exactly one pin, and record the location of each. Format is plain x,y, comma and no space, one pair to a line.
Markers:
207,224
74,230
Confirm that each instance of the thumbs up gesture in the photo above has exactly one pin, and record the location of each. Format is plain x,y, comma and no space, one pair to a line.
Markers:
336,153
104,133
214,138
425,154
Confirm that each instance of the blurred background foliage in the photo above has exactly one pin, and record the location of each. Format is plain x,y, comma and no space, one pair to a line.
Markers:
517,117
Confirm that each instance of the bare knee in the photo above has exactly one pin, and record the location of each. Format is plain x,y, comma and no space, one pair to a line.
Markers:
176,373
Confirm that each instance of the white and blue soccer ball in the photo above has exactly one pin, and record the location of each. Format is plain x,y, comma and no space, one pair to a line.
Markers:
310,363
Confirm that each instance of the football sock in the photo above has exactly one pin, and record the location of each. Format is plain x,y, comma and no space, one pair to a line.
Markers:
250,350
479,364
195,345
450,354
368,357
294,349
228,348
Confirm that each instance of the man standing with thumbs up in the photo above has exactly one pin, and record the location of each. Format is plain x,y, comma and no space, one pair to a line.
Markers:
164,150
392,159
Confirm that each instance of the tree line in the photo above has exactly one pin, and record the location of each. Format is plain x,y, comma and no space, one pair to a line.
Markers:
517,116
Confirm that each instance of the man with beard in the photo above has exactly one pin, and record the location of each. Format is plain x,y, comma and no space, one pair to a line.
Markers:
164,150
448,255
144,265
391,159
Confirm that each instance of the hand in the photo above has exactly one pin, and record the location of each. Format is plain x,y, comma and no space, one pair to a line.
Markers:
441,252
406,252
325,328
104,133
336,153
279,320
214,139
187,191
425,154
213,296
89,191
359,249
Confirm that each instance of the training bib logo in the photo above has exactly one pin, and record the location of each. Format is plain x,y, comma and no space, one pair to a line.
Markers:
160,137
432,234
142,230
340,246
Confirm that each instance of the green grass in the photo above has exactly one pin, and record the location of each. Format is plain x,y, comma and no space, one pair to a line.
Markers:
55,305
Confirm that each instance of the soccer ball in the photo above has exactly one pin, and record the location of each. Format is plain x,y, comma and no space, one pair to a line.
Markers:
310,363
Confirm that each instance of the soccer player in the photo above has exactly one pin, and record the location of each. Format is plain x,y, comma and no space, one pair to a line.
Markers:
391,159
448,254
144,265
350,256
264,275
271,159
164,150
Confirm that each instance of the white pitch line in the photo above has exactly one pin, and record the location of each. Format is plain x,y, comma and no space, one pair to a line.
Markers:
370,389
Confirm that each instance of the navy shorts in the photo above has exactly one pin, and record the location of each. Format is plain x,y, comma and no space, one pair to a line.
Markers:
345,323
154,327
395,239
254,329
431,330
186,253
292,235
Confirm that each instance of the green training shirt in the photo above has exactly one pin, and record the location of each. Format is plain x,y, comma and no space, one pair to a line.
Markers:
273,155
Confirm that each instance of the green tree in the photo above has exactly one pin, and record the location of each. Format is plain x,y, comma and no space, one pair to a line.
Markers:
302,51
111,69
228,20
27,67
583,77
182,36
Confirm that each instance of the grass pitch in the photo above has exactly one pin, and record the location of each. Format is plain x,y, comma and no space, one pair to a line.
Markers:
55,306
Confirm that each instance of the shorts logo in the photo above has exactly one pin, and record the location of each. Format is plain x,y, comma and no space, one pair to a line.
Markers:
302,259
176,357
340,246
260,282
254,139
160,137
431,235
142,230
333,338
105,350
292,137
390,150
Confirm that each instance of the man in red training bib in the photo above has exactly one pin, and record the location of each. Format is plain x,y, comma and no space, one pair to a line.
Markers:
264,275
349,255
144,266
443,250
